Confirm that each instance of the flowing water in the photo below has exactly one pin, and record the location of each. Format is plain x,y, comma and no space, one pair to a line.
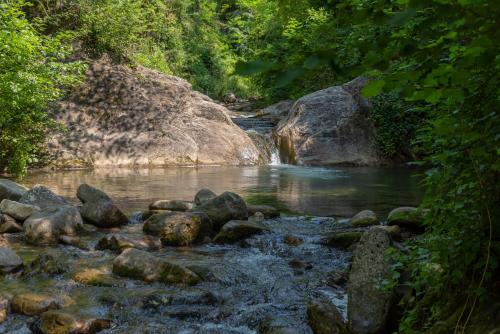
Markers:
261,283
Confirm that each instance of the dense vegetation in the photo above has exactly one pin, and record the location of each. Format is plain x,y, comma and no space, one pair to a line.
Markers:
435,82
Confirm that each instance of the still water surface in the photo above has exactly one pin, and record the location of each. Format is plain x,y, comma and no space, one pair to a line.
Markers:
299,190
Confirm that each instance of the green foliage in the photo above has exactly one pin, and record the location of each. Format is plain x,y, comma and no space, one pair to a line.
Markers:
31,74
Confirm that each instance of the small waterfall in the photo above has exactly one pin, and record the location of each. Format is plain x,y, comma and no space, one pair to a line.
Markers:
275,157
266,146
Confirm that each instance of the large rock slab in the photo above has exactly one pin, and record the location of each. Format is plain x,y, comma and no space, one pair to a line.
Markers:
223,208
9,261
43,198
329,127
137,264
179,228
368,305
46,226
122,117
17,210
11,190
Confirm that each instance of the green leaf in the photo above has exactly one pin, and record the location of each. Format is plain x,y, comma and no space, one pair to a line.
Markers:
373,88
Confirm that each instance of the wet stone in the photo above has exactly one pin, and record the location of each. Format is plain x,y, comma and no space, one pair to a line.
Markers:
11,190
95,277
33,304
118,243
49,262
292,240
172,205
203,196
342,239
268,211
236,230
364,218
17,210
324,318
9,225
63,322
9,261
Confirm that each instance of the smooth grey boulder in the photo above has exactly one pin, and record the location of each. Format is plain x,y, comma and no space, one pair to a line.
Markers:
329,127
43,198
17,210
368,305
98,209
364,218
137,264
11,190
46,226
204,195
223,208
172,205
9,261
324,318
179,228
87,193
236,230
9,225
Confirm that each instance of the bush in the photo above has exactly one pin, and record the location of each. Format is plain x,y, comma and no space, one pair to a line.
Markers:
31,74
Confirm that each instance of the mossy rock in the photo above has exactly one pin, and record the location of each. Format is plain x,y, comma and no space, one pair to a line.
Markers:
407,217
324,318
94,277
342,239
64,322
364,218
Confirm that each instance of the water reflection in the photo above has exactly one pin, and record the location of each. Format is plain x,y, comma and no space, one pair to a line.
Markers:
304,190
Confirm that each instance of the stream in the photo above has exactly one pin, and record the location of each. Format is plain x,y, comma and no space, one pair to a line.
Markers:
257,286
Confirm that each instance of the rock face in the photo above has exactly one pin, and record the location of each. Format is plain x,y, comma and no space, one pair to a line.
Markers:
11,190
364,218
223,208
124,116
43,198
98,209
138,264
172,205
9,261
329,127
237,230
203,195
324,318
17,210
179,228
368,306
46,226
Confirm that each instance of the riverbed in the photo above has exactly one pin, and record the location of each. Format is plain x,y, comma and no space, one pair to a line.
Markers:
263,283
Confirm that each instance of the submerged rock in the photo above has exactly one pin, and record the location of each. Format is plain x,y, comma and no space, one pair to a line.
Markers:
11,190
63,322
368,304
268,211
43,198
407,217
342,239
98,209
324,318
48,262
118,243
329,127
17,210
9,225
236,230
171,205
4,309
364,218
94,277
33,304
203,195
9,261
179,228
141,265
46,226
292,240
223,208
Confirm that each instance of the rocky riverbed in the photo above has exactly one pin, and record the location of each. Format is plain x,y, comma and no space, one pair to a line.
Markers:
211,265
